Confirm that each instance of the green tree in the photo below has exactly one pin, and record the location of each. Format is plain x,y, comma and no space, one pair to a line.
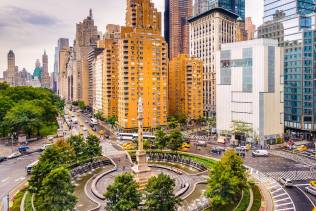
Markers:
227,180
159,194
161,138
58,154
112,120
93,148
4,86
79,145
99,115
5,105
241,128
24,116
123,194
175,140
57,191
172,122
81,105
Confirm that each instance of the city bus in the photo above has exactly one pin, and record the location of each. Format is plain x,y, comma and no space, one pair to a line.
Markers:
29,168
133,136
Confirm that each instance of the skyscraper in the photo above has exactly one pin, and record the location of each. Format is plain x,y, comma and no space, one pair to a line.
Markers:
207,32
177,26
295,20
234,6
143,67
10,74
250,28
45,79
86,40
62,43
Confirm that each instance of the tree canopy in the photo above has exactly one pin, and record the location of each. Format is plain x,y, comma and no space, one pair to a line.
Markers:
27,109
57,191
159,194
123,194
227,180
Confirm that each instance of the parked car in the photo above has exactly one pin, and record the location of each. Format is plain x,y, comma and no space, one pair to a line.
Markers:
260,153
217,150
285,182
45,146
311,189
2,158
14,155
23,148
201,143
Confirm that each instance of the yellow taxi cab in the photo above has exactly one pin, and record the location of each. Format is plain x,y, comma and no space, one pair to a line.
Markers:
302,148
313,183
185,147
128,146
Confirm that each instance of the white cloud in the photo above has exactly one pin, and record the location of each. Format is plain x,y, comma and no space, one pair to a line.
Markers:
29,27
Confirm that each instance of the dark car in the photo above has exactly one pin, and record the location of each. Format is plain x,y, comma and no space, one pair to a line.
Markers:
217,150
2,158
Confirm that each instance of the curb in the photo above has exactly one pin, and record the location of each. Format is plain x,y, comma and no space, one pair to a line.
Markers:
251,200
86,192
96,180
23,201
242,196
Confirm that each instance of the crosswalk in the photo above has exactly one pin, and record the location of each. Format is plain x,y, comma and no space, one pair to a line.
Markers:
293,175
281,199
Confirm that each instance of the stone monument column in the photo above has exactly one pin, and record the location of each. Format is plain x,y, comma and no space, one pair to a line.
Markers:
141,170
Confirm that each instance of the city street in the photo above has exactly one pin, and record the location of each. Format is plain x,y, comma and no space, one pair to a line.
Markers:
12,172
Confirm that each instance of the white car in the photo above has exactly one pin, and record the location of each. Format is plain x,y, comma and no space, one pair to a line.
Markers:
14,155
45,146
260,153
84,129
285,182
311,189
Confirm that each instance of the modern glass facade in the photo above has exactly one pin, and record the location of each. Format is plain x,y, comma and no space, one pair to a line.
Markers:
235,6
294,20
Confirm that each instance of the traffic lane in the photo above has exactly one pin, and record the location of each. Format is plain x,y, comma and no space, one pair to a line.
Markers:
263,164
12,172
274,163
301,201
310,196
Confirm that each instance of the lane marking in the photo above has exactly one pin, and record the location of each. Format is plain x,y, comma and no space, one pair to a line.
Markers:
4,180
288,203
310,200
20,179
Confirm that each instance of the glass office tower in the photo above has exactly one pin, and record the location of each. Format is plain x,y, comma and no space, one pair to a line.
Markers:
292,22
235,6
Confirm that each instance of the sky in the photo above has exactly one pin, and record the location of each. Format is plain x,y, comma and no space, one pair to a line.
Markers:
29,27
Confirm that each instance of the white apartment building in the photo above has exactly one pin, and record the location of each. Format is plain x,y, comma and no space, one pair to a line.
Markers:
207,32
250,87
98,80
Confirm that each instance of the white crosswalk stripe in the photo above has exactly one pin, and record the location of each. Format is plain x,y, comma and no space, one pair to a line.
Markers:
293,175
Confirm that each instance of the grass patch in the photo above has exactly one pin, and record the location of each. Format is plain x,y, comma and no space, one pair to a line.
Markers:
176,165
256,198
207,162
17,200
228,207
244,201
28,202
48,130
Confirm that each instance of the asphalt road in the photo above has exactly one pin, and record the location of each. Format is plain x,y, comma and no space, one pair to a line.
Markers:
301,199
12,172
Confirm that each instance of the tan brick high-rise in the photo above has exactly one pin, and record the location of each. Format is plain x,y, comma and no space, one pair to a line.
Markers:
110,55
178,39
143,67
186,86
86,40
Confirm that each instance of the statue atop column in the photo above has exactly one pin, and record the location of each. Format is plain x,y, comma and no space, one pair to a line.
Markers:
141,170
